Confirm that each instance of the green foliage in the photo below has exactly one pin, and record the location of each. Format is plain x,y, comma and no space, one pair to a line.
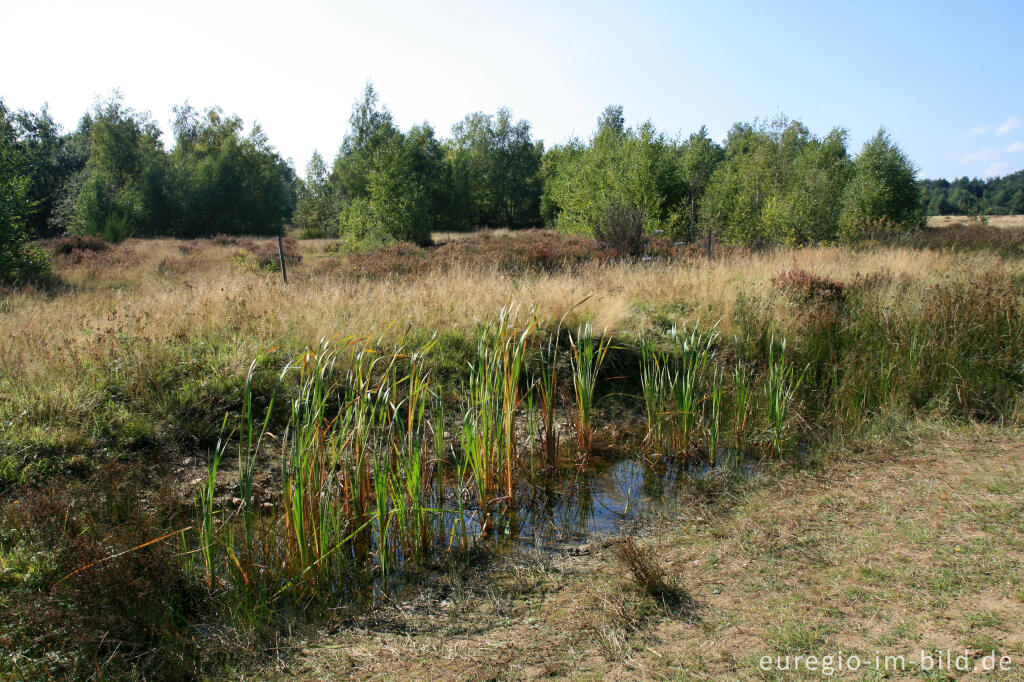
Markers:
964,196
808,211
884,188
778,184
20,259
620,165
50,161
315,212
699,156
497,161
221,182
388,185
121,181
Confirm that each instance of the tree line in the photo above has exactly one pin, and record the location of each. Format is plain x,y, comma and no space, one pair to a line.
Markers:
995,196
112,177
769,182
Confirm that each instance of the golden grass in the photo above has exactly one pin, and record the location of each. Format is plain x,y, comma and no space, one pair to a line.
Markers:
137,295
1007,221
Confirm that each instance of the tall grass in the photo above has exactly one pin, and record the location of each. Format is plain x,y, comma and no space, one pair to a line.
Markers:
547,394
693,352
350,498
676,386
588,354
780,388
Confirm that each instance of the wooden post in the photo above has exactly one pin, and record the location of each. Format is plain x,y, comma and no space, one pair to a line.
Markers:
280,252
709,243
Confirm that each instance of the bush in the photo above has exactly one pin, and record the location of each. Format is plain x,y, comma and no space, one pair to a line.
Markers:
63,246
806,288
266,254
621,229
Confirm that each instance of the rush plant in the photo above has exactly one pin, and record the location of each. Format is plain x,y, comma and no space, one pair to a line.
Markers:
588,354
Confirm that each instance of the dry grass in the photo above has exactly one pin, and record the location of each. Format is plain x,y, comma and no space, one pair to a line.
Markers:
215,296
1007,221
183,301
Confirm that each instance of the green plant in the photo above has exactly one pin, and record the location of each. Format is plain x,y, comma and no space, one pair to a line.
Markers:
588,355
780,390
547,394
714,426
741,388
693,352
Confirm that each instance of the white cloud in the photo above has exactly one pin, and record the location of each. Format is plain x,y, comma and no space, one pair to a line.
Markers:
1017,146
981,156
1009,124
980,130
997,168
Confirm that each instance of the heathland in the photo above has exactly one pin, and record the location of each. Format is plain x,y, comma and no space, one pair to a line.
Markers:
432,456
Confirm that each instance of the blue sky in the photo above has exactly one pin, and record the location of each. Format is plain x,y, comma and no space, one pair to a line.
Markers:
944,78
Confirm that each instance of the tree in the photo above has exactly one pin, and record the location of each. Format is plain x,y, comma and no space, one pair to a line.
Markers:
778,184
401,202
120,190
501,165
370,128
620,166
699,156
884,188
20,259
222,181
50,160
315,212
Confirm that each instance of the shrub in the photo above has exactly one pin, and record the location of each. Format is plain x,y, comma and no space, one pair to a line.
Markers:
621,229
646,571
63,246
86,599
804,287
266,254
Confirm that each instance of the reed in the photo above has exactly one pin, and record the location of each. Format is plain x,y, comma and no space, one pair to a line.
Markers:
715,417
693,352
654,380
588,354
741,389
547,394
780,389
351,498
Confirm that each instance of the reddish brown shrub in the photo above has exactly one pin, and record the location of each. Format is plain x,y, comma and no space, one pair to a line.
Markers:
804,287
77,242
266,254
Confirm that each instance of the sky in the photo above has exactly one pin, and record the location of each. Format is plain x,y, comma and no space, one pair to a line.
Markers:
944,78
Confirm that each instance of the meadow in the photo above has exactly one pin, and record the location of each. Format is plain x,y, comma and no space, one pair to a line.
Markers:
203,466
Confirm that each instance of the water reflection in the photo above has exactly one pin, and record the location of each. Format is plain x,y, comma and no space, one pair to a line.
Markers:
573,505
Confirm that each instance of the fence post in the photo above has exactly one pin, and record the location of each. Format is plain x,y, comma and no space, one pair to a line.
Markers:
280,252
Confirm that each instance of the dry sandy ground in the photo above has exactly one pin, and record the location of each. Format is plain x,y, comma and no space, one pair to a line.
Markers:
915,545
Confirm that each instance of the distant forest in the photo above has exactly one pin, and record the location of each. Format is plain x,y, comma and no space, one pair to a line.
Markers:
769,182
996,196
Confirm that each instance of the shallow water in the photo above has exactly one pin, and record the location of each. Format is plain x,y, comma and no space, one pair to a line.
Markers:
577,505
